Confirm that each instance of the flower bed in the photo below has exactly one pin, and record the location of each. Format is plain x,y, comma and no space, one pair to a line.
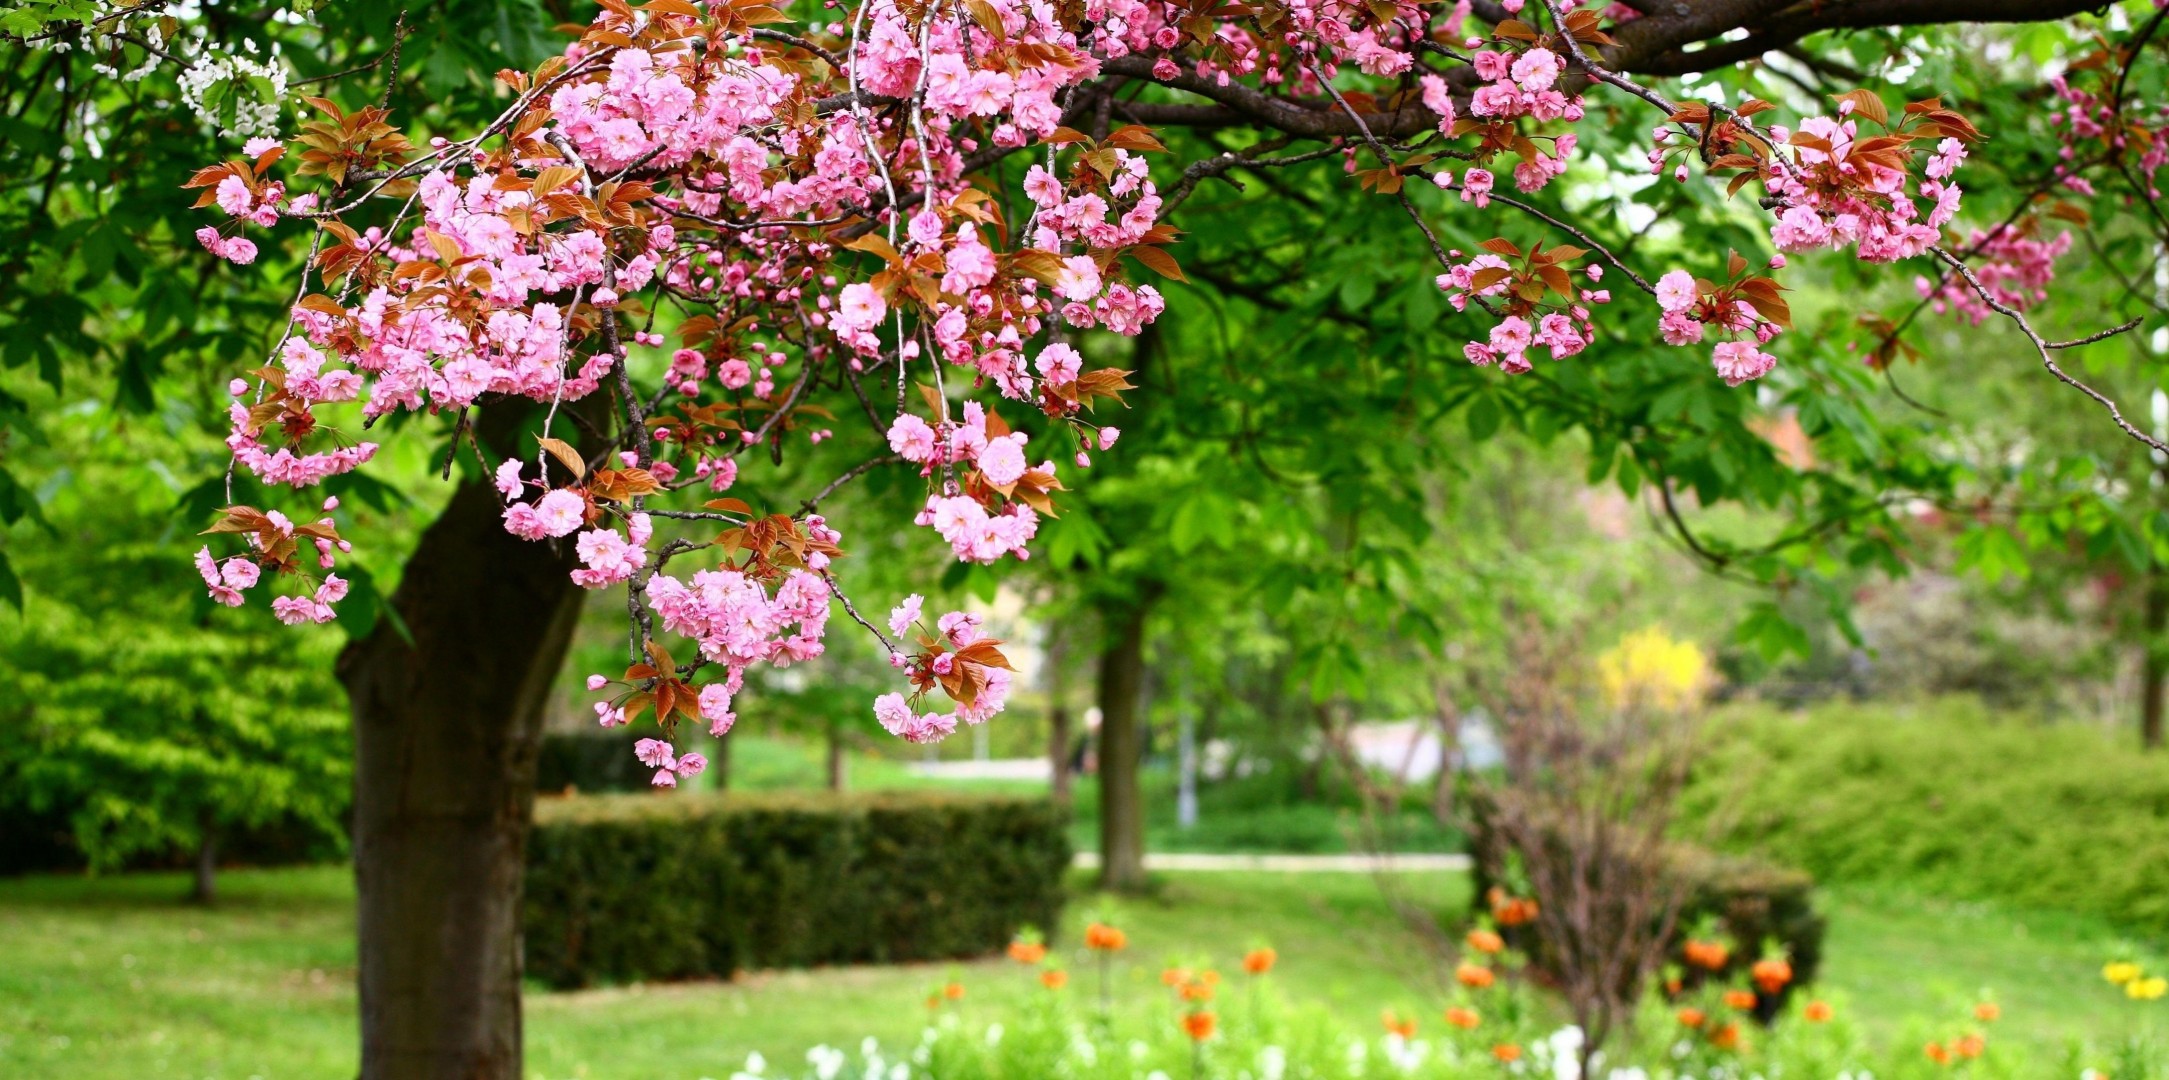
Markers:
1240,1026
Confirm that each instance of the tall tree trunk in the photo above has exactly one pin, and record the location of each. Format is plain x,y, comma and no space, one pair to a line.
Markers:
445,734
205,888
1058,725
2154,660
719,764
1122,804
837,777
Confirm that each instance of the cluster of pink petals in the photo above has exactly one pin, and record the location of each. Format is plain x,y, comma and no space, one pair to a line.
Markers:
1689,315
668,765
227,579
2015,267
956,628
1563,329
1833,201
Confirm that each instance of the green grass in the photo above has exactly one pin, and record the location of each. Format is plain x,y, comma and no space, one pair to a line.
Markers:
1901,958
114,978
111,977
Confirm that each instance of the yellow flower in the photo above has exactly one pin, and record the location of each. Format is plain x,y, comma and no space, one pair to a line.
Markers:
2120,973
2148,989
1651,669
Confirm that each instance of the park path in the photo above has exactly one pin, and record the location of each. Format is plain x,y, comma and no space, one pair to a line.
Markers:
1347,864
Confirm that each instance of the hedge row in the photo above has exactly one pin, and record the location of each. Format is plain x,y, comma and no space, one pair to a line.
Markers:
629,887
1950,799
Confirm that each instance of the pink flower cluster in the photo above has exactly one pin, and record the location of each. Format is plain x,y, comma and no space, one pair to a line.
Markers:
1563,326
978,520
2014,265
1835,199
277,541
949,656
669,768
1691,308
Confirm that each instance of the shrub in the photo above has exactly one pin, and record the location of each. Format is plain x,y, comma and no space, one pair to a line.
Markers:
1745,901
629,887
1948,798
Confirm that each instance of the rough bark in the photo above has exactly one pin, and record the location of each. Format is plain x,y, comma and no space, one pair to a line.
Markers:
445,733
1122,804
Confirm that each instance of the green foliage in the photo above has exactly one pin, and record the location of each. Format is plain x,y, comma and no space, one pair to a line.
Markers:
147,720
1946,797
630,887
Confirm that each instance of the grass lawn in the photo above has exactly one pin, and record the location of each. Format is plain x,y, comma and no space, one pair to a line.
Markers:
112,978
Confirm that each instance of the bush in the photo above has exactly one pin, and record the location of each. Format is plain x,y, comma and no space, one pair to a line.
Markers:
1948,798
630,887
1746,901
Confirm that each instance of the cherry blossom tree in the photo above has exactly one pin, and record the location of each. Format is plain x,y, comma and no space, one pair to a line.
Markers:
708,238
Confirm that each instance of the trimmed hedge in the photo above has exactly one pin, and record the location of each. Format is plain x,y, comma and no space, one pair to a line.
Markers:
628,887
1948,798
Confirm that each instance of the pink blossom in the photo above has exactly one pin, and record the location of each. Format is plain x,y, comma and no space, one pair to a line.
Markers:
1676,291
1536,69
904,614
1739,361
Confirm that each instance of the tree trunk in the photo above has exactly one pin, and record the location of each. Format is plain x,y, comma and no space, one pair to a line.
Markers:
719,764
1058,726
2154,660
1122,805
1059,780
205,888
445,734
837,778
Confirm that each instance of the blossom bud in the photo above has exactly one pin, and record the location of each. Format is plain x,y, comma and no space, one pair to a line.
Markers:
596,682
238,387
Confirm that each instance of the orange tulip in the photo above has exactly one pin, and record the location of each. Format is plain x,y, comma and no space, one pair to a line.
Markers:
1104,938
1484,941
1692,1018
1816,1012
1726,1038
1708,955
953,991
1507,1052
1054,978
1199,1025
1771,975
1465,1019
1742,1000
1259,961
1475,976
1969,1046
1938,1053
1027,952
1396,1025
1987,1012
